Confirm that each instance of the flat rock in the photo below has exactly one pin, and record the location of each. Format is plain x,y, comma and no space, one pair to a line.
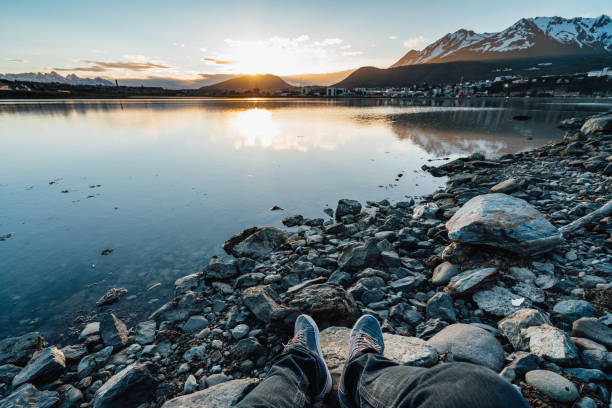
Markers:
505,222
506,186
28,396
145,332
512,325
470,281
570,310
128,388
113,331
224,395
550,343
44,367
552,384
19,350
593,329
465,342
256,242
500,301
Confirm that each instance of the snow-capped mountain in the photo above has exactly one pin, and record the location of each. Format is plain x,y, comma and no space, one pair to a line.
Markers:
53,76
527,38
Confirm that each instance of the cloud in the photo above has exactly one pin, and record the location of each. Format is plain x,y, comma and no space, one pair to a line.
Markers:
351,53
345,47
17,60
328,41
216,61
203,49
103,66
415,42
393,37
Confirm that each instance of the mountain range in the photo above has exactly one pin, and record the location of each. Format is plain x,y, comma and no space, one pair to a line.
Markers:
538,37
53,76
263,82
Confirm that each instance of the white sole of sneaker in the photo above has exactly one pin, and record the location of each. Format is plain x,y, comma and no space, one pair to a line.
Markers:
328,382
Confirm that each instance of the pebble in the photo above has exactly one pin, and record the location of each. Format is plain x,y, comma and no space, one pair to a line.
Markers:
552,384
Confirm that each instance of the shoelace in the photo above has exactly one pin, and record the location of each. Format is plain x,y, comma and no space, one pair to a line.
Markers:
364,341
299,338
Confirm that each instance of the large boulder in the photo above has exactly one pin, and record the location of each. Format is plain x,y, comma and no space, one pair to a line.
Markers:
597,124
255,242
223,395
261,302
27,396
469,343
405,350
46,366
328,304
19,350
503,221
129,388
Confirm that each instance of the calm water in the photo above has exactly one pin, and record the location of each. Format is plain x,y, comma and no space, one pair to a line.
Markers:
165,182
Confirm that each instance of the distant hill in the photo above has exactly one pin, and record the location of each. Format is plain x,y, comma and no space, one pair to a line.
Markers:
539,37
317,79
451,72
263,82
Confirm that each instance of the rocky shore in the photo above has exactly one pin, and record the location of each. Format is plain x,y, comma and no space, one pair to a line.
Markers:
509,267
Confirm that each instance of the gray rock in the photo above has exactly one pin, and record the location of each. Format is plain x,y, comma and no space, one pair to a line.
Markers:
293,220
190,385
506,186
74,352
256,242
128,388
552,384
260,301
145,332
221,269
248,347
358,256
521,274
8,372
240,331
19,350
465,342
512,325
347,207
550,343
425,211
503,221
427,329
441,306
587,344
500,301
597,359
195,324
587,375
45,366
391,259
92,362
521,364
570,310
173,311
223,395
216,379
470,281
597,124
327,304
443,273
70,396
113,331
585,402
364,285
91,329
112,296
529,291
187,283
593,329
27,396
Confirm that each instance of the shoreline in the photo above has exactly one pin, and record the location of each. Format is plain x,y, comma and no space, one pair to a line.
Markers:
227,322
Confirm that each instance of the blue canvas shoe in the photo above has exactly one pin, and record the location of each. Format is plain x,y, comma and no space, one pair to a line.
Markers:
306,334
365,336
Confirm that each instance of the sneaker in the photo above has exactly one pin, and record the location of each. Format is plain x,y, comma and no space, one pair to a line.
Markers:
306,334
365,336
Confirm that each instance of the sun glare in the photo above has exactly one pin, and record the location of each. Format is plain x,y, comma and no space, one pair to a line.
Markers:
256,128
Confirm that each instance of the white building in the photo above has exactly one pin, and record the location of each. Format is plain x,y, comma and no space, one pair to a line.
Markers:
604,72
335,92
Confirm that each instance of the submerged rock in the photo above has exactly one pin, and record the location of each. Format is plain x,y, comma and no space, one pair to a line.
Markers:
112,296
503,221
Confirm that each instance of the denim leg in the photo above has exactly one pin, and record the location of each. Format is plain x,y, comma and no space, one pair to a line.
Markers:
288,384
375,381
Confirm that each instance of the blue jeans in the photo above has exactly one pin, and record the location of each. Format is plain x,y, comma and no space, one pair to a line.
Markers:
373,381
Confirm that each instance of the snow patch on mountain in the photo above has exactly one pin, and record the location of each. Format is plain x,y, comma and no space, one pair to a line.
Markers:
54,77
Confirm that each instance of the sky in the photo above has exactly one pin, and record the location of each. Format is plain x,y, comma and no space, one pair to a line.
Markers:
187,39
